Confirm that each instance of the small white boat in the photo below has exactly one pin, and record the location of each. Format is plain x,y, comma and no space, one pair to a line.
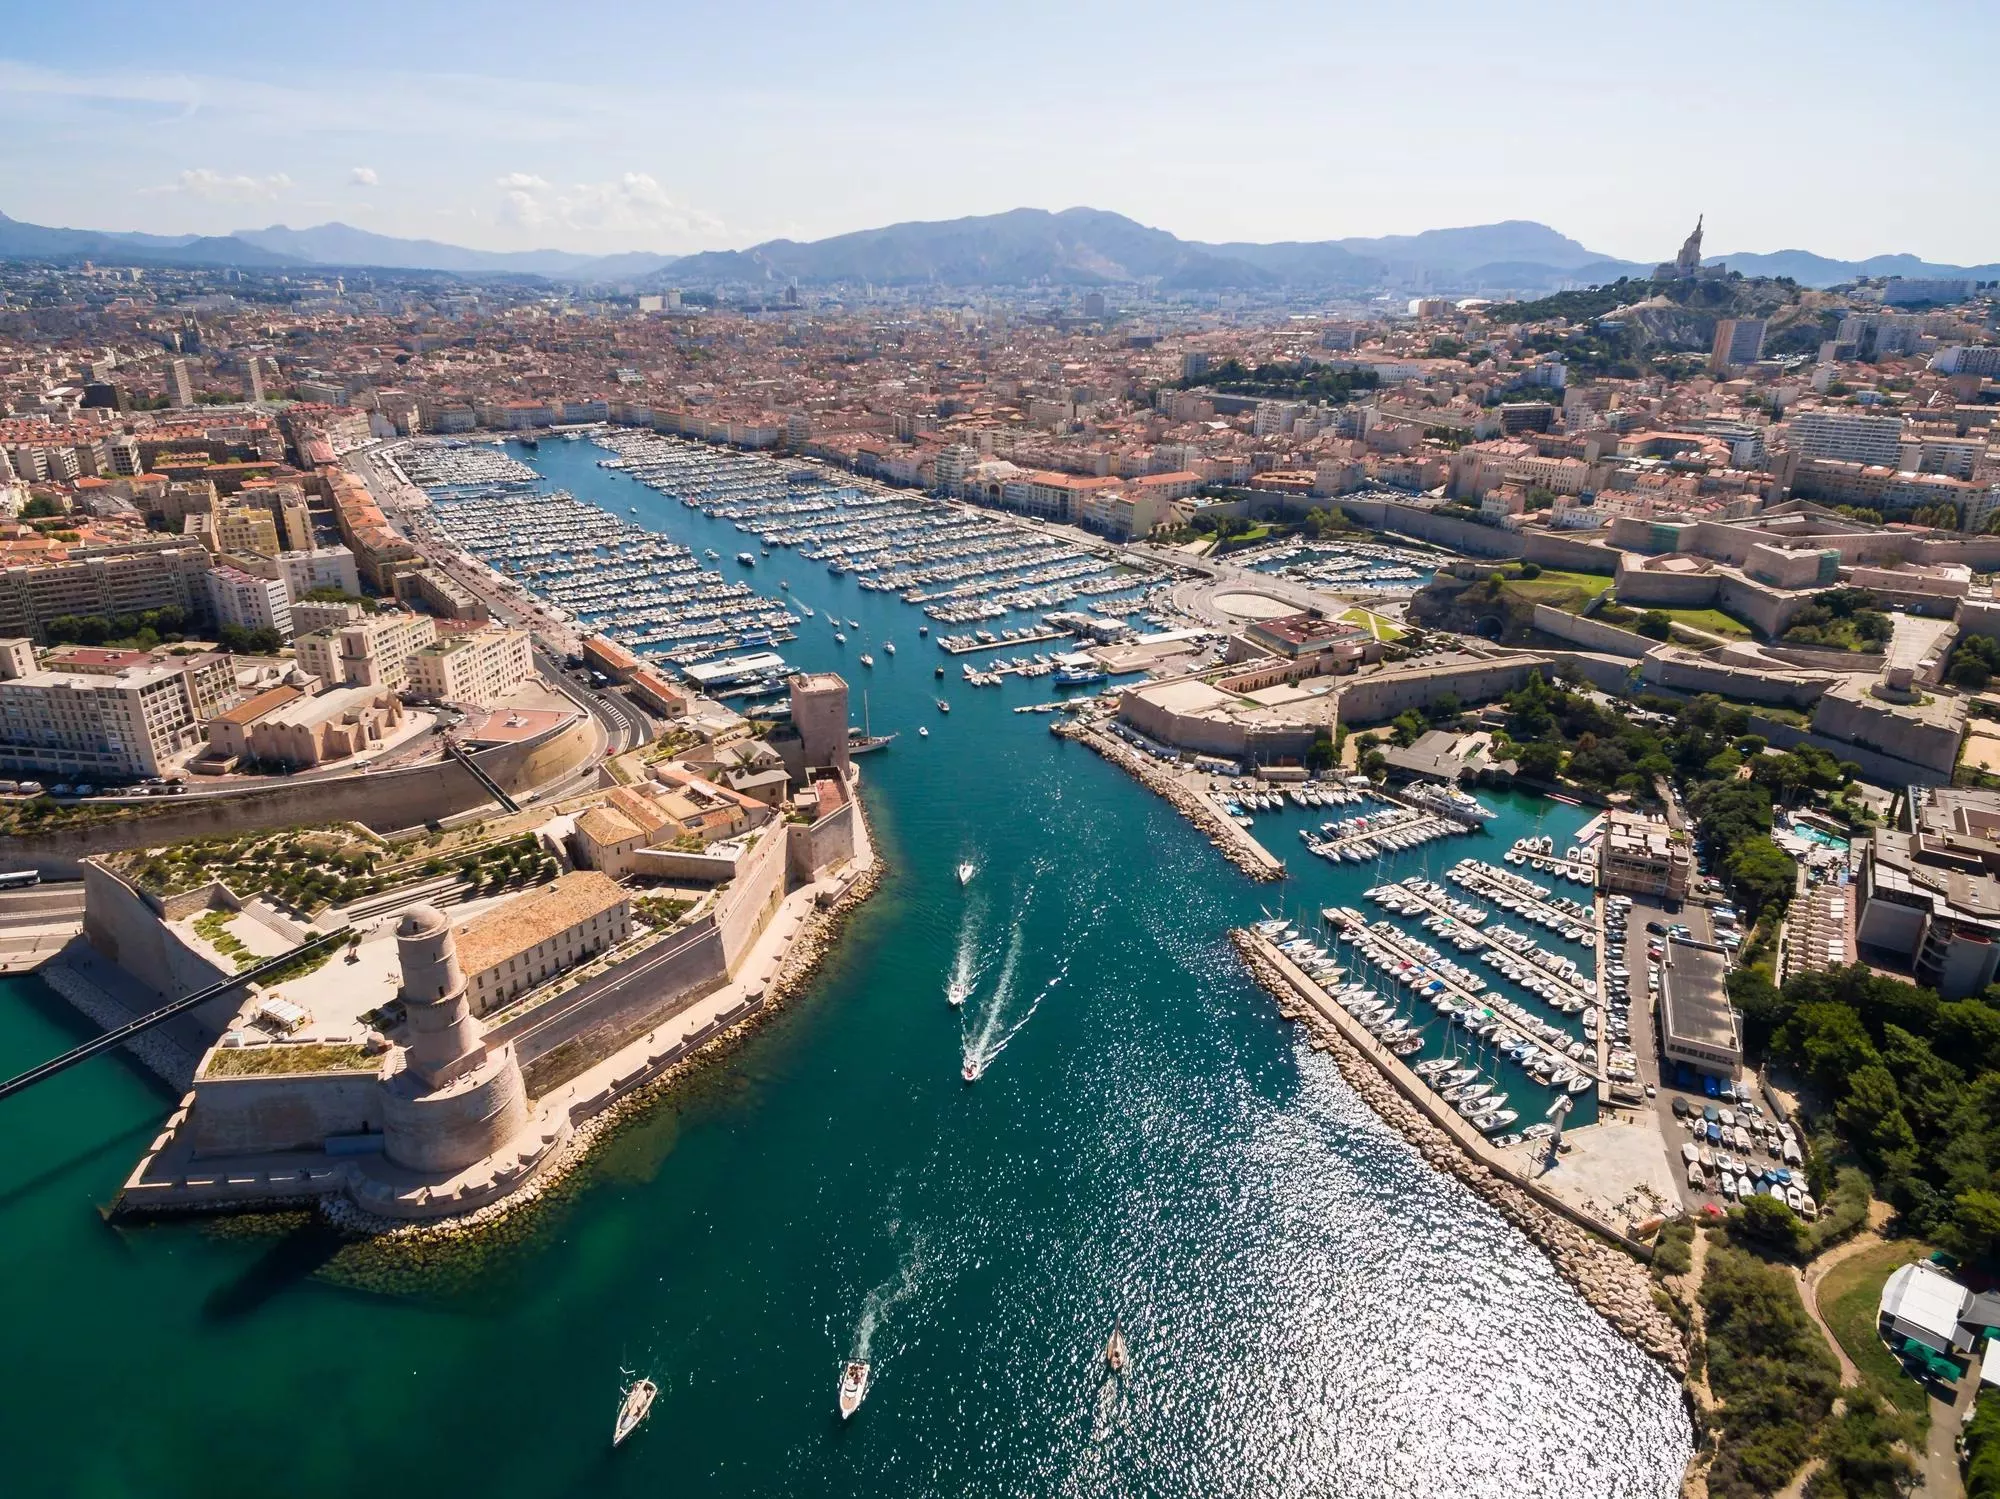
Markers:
632,1410
970,1071
922,732
966,871
943,706
889,646
1115,1355
866,659
853,1388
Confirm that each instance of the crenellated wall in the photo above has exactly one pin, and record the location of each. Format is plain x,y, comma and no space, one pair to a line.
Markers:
1375,699
1589,632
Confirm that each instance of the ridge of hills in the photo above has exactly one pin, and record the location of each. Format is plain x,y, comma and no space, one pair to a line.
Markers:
1076,247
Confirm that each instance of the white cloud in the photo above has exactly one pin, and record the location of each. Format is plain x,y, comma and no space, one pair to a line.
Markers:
216,187
634,203
363,177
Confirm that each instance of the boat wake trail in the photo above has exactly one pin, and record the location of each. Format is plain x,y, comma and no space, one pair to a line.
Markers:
995,1032
876,1307
966,968
978,1041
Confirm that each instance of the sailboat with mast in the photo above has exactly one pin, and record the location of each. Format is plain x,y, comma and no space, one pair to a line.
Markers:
861,741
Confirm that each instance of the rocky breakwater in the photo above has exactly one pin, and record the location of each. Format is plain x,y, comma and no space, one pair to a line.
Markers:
1236,845
1615,1283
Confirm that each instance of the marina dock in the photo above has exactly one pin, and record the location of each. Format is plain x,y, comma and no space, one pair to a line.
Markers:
966,645
1514,950
1388,948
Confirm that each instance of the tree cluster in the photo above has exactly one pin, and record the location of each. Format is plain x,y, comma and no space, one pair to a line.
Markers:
1291,380
1912,1083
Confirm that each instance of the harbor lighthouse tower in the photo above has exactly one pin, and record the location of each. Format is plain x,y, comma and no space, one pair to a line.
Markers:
455,1100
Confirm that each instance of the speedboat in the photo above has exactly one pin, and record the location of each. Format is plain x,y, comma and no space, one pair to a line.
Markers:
853,1388
1114,1351
943,706
970,1071
966,871
632,1410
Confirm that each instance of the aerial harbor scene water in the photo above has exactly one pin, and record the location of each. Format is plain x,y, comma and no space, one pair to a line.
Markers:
1308,1305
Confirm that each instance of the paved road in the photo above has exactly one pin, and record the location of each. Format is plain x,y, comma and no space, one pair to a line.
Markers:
635,978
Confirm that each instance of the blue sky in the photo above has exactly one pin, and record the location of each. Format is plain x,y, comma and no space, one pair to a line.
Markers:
1844,129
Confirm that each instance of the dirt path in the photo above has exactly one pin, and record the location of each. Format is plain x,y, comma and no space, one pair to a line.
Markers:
1809,1282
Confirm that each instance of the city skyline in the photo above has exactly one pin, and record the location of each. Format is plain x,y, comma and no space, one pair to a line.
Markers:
511,135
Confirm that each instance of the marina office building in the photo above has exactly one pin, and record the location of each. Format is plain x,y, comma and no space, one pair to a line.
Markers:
1697,1025
1644,857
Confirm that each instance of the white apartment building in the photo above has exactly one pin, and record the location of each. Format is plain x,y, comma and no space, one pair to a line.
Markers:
116,726
321,567
1851,439
373,652
251,603
478,668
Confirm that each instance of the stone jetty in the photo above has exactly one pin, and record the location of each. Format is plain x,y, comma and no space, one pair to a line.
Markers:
1616,1283
1237,846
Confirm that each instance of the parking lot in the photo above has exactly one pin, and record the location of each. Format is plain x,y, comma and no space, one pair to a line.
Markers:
1734,1131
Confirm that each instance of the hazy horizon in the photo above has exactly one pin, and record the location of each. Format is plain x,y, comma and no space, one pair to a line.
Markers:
660,130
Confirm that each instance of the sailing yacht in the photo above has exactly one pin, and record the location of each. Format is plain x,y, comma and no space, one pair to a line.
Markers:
632,1410
1114,1350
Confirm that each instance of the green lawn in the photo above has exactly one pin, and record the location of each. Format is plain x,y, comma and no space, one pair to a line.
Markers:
1849,1298
1375,624
1712,620
1562,590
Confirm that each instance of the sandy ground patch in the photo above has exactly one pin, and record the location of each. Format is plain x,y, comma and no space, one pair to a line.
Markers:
1983,751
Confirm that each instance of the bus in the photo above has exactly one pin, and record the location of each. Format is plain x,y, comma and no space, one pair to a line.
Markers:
20,879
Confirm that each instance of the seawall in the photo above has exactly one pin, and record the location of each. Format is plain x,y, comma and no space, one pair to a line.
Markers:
1605,1266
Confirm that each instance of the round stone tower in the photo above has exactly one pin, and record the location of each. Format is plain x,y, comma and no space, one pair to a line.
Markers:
443,1039
454,1101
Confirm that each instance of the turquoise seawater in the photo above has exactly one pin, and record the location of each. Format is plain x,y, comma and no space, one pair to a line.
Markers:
1311,1309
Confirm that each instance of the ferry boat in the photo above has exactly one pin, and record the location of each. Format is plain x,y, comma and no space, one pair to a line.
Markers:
1075,676
632,1410
853,1388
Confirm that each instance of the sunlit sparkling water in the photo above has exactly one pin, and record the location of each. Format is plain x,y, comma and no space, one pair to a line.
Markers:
1311,1310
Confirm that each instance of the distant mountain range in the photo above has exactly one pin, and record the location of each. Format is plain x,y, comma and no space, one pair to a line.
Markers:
1078,247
